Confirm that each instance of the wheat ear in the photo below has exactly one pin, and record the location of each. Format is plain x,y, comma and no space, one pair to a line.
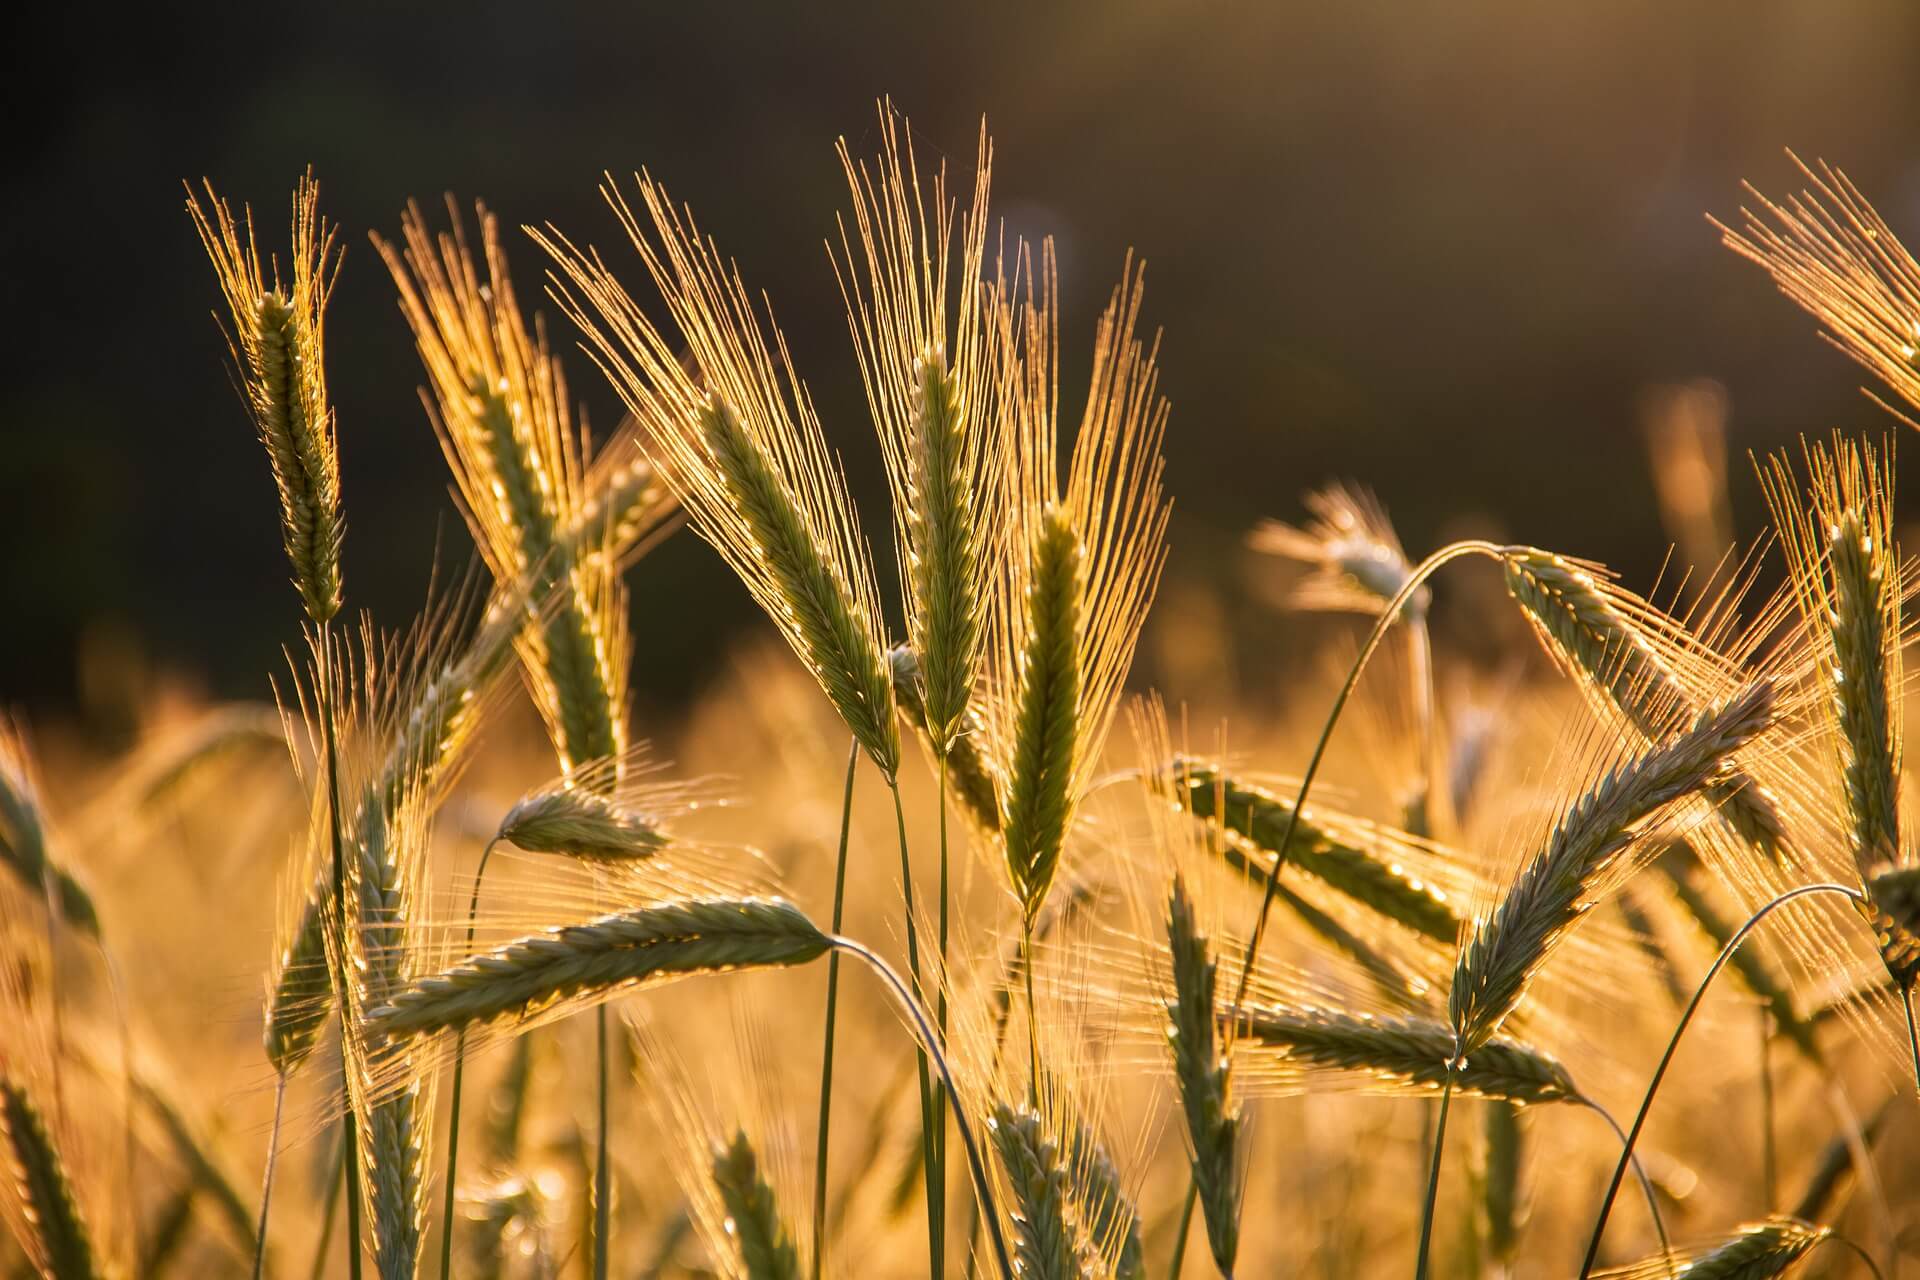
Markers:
759,1233
532,974
1202,1068
1590,629
1557,885
276,337
1043,1238
1752,1252
57,1240
25,839
1830,251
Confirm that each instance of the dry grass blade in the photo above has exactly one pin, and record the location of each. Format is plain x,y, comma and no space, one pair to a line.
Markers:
1558,884
969,774
588,960
1403,1053
1833,254
758,1231
1038,1176
1752,1252
48,1223
1598,634
741,446
1261,817
276,337
1203,1070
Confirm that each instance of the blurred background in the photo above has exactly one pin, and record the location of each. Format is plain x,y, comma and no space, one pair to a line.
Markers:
1456,253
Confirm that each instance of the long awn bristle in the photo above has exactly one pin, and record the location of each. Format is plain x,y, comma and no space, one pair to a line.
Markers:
526,977
1556,886
276,336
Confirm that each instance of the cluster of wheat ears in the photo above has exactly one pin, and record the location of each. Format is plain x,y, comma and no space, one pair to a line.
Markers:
1726,784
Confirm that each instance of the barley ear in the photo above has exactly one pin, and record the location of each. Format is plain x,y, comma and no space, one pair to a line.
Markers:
276,337
1042,1235
1753,1252
1202,1068
765,1244
1409,1052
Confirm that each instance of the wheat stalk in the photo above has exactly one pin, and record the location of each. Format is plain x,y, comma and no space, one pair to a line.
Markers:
1556,886
1833,254
1751,1252
49,1224
588,960
758,1232
276,338
1261,817
1601,637
1405,1052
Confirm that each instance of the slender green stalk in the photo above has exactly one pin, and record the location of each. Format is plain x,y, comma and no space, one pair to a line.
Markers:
1433,1175
982,1188
1033,1016
833,1008
603,1167
1186,1226
1673,1045
938,1181
935,1245
266,1183
459,1072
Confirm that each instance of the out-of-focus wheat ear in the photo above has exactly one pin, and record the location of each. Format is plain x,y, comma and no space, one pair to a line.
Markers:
276,337
25,838
1752,1252
1830,251
1202,1068
590,960
500,407
1836,1162
736,436
919,317
1261,817
759,1233
969,773
1584,852
1046,726
1357,562
1500,1195
1036,1174
53,1232
1109,1218
579,822
1404,1052
198,1156
1747,961
1588,626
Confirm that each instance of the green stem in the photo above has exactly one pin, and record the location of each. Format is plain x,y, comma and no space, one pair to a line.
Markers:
928,1158
924,1035
334,1182
1433,1173
1033,1014
1913,1033
939,1180
266,1183
1639,1174
1186,1224
1673,1045
603,1166
459,1071
833,1007
325,697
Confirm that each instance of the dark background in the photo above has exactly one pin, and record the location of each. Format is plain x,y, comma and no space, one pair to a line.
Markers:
1443,249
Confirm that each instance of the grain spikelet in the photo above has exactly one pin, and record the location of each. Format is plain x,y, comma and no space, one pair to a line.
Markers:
1586,852
1752,1252
276,339
1833,254
1036,1173
742,448
918,312
1355,556
616,810
1082,570
500,407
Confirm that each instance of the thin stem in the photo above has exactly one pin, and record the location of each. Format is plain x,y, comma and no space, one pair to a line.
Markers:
1673,1045
266,1183
334,1182
1420,574
1913,1034
1033,1015
325,697
459,1071
603,1166
925,1035
1860,1253
833,1006
1767,1179
938,1183
928,1157
1433,1174
1640,1176
1186,1224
